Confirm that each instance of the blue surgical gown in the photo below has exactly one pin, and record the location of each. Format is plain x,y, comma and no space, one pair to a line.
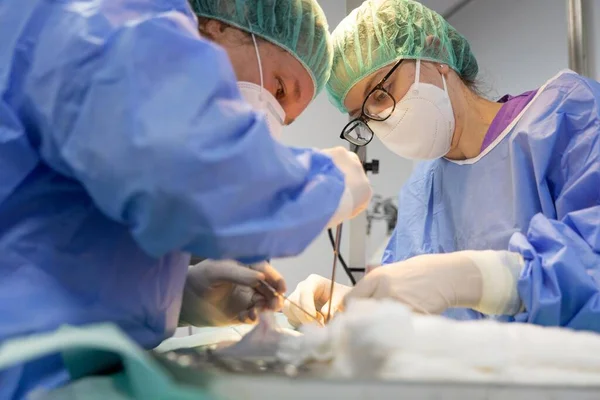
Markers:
124,146
537,192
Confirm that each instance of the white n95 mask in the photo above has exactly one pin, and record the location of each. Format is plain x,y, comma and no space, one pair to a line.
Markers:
262,100
422,124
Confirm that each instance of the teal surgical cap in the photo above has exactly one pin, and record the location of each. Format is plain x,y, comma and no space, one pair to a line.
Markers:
298,26
380,32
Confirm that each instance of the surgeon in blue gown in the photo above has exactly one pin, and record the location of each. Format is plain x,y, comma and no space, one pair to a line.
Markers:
502,219
136,132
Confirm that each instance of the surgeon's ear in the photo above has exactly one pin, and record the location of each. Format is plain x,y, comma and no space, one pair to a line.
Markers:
210,28
434,49
442,69
222,33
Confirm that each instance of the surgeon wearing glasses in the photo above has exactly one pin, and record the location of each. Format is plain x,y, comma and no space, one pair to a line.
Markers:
501,217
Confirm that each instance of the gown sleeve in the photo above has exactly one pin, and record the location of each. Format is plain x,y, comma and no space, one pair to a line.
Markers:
127,99
560,282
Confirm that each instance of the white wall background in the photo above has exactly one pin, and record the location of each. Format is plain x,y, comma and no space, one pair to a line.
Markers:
519,44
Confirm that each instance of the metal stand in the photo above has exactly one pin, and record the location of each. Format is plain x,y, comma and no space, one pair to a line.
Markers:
357,259
578,61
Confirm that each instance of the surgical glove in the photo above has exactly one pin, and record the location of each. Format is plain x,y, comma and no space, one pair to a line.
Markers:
357,191
485,281
312,295
220,293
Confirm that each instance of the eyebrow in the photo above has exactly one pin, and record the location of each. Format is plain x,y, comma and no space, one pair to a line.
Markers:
368,88
376,77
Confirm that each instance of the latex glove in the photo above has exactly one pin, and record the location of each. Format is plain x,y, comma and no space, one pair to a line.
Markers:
312,294
485,281
357,191
226,292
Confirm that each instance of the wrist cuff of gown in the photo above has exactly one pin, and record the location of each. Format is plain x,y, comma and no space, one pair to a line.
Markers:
500,271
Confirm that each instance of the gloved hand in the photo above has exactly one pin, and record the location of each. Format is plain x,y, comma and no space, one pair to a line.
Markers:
357,191
312,294
226,292
485,281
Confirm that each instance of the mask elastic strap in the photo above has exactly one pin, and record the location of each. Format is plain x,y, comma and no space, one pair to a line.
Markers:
259,62
445,87
418,74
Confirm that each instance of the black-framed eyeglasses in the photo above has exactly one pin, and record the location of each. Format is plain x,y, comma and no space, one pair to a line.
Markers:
378,106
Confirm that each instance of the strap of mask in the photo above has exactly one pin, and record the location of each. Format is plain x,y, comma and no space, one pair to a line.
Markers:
260,71
418,77
445,87
418,74
259,62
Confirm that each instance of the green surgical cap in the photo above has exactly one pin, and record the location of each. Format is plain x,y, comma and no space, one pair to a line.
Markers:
298,26
380,32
